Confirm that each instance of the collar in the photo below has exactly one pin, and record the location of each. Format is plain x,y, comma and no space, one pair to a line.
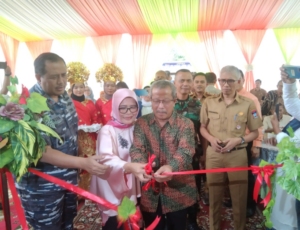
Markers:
171,120
38,88
237,97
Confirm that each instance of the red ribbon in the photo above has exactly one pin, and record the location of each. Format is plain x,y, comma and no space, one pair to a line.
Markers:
268,170
15,196
87,195
148,170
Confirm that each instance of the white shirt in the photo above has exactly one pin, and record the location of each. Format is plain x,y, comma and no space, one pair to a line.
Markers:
282,123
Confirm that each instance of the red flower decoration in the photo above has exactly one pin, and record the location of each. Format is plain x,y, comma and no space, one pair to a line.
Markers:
25,94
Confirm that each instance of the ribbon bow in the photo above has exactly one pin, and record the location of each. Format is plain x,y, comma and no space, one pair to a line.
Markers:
148,170
267,170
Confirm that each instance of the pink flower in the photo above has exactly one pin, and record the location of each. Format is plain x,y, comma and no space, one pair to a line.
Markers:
12,111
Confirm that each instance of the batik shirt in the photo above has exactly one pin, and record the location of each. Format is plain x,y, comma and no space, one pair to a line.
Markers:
64,117
174,145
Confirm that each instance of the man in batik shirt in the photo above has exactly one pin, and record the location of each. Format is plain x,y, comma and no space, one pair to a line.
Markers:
170,137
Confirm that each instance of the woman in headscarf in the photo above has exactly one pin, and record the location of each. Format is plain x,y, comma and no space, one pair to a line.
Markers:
114,142
88,93
88,119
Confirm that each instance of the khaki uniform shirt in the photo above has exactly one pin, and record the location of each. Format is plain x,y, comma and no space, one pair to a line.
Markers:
229,121
259,93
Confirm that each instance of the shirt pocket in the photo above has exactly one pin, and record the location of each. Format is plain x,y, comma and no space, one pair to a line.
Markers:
214,120
239,126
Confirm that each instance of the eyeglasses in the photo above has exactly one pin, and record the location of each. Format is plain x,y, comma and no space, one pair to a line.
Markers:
224,81
164,102
132,109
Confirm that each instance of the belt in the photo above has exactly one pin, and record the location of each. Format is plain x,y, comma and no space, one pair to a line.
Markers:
234,149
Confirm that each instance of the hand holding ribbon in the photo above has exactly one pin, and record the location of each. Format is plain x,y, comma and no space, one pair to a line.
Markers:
267,170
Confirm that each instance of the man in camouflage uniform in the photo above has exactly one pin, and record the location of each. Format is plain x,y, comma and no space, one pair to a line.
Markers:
190,108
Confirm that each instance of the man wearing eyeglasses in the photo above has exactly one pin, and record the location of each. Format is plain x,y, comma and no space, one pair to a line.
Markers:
170,137
223,123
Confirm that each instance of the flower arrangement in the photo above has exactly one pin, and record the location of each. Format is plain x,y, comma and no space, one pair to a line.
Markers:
22,122
109,72
290,180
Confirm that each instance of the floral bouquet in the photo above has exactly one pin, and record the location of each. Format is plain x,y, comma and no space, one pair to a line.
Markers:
22,120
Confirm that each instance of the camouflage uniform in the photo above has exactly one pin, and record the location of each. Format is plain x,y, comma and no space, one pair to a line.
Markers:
46,205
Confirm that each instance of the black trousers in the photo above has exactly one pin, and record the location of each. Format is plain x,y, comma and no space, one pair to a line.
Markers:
174,220
112,224
251,180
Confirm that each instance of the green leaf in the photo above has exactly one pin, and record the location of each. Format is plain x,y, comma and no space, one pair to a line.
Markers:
290,169
15,98
290,131
37,103
2,100
32,123
6,125
6,157
126,208
47,130
269,224
293,187
12,89
26,133
21,162
14,80
267,214
24,106
280,181
26,117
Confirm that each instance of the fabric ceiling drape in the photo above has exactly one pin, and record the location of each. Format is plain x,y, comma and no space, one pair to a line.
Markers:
170,16
159,50
236,15
249,42
108,17
288,40
72,49
38,47
190,44
10,48
213,43
141,46
108,47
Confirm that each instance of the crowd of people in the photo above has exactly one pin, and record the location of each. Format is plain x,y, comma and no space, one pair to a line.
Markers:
187,123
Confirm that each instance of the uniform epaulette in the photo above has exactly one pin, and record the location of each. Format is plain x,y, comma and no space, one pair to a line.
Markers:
210,95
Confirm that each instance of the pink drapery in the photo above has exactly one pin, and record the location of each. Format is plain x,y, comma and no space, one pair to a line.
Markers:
38,47
212,44
108,47
236,15
108,17
249,42
10,48
141,45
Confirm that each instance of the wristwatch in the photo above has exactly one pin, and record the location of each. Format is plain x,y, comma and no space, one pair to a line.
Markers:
243,140
7,75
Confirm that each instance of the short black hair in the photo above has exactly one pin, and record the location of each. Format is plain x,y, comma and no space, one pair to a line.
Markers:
40,62
211,77
199,74
258,80
147,86
242,74
122,85
183,70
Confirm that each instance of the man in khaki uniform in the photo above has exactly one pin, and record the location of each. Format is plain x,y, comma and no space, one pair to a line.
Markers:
224,119
259,92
